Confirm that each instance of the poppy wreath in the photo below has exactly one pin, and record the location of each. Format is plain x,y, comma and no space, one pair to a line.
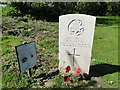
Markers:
67,69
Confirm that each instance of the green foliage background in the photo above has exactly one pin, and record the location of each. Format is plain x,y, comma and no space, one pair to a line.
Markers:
50,11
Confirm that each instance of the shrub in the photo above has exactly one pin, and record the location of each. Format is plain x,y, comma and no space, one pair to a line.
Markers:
9,10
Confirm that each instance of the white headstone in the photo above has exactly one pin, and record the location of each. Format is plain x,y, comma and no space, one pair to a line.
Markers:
76,32
26,54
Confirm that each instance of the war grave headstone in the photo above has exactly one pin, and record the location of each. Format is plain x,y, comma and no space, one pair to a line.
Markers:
76,33
26,54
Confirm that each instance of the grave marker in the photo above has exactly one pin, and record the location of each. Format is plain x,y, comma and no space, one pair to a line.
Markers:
26,54
76,33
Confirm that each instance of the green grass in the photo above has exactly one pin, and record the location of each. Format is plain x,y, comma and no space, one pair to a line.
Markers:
58,83
105,45
105,51
50,46
9,42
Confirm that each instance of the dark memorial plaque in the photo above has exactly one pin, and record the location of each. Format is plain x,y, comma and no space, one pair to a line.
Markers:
27,57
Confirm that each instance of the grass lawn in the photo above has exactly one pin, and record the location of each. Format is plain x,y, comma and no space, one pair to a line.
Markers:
105,50
104,61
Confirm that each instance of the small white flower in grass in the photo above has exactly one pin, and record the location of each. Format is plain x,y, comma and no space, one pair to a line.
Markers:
110,82
93,59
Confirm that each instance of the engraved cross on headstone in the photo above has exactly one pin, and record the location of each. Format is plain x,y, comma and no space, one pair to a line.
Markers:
74,56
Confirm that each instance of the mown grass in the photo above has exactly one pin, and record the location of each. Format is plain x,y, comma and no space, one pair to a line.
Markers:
9,42
105,49
106,44
45,35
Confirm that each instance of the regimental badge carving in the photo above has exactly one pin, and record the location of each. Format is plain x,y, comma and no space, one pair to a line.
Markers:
75,27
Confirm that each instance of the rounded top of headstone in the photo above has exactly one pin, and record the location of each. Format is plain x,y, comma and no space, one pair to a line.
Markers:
77,15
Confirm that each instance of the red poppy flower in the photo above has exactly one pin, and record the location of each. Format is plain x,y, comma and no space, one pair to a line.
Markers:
78,71
67,69
66,78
